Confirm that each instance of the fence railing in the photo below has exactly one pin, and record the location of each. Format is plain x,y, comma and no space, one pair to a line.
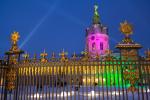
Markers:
76,80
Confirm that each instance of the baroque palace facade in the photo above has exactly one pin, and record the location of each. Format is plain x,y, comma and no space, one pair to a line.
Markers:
96,67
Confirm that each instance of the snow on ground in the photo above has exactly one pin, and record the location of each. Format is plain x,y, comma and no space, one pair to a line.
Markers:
83,93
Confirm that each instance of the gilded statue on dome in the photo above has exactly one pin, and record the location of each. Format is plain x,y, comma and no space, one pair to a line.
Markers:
96,10
96,19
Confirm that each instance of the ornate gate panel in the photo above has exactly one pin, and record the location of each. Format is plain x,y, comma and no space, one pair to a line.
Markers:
71,80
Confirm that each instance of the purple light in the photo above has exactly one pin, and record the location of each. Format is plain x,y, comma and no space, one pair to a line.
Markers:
97,43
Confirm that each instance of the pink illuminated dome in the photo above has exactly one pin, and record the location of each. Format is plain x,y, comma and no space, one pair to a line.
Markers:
97,39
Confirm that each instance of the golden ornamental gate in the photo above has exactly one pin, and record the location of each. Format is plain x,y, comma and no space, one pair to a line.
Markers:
70,79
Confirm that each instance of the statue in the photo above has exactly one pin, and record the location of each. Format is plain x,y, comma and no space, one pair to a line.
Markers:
96,10
96,19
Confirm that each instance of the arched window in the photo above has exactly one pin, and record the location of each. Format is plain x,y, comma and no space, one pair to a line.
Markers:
93,46
101,46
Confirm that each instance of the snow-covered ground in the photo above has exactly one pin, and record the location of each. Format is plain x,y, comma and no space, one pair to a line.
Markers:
83,93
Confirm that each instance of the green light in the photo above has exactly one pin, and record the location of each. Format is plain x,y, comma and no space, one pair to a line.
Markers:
110,62
111,77
107,62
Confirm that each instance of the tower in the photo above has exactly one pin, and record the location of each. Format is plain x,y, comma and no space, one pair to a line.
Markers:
97,39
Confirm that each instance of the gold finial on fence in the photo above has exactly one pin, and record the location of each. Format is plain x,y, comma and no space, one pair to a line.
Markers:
53,58
25,56
86,55
74,57
34,57
63,56
43,56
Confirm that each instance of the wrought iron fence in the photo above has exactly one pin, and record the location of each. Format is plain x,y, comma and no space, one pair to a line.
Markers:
76,80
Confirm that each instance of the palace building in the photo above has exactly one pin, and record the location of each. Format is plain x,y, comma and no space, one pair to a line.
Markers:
97,69
97,39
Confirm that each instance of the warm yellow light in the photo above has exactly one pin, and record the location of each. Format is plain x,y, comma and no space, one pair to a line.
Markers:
84,80
96,80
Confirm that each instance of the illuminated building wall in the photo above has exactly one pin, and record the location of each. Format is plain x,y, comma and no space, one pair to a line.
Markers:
97,40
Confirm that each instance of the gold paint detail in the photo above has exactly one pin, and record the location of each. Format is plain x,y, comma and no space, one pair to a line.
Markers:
63,55
10,79
86,55
131,74
15,37
126,28
43,57
26,57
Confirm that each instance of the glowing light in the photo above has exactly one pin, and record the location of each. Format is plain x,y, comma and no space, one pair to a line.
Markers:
104,79
116,93
84,80
50,11
63,94
37,95
148,90
96,80
92,93
97,43
71,17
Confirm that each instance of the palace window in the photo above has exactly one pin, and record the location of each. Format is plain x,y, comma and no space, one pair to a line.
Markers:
101,46
93,46
92,38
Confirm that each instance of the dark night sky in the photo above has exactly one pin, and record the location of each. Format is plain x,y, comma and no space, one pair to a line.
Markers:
56,24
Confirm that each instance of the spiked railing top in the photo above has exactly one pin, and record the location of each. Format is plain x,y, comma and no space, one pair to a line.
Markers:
63,56
44,54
